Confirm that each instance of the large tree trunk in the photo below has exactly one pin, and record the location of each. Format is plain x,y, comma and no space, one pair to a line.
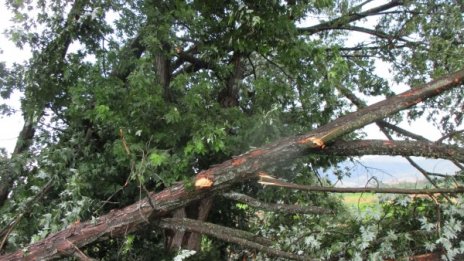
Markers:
221,177
228,96
163,71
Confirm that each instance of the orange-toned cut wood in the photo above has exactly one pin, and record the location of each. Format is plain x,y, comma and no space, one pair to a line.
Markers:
319,142
203,182
315,140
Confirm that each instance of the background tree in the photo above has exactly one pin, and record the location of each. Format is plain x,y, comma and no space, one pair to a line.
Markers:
124,99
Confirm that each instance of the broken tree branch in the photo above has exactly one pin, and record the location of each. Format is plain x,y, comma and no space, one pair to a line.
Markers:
383,125
239,169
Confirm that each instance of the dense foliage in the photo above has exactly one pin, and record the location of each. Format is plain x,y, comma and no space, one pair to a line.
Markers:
122,98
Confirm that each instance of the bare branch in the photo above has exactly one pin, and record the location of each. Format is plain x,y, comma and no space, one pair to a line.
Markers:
230,235
381,123
293,209
449,135
376,33
270,181
401,131
392,147
351,17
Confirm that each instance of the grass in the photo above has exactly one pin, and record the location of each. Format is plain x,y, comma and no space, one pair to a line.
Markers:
363,200
360,200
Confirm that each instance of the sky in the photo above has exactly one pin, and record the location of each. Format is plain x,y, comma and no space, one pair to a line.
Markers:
9,53
387,169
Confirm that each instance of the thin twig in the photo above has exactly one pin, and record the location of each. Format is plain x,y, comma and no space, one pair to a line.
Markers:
293,209
449,135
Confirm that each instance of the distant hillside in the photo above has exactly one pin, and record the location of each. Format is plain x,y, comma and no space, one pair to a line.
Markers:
419,184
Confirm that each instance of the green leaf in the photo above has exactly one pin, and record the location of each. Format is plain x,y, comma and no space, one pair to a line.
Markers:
128,244
241,206
102,112
172,116
158,158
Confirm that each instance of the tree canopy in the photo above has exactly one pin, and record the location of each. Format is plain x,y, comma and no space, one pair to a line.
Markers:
198,129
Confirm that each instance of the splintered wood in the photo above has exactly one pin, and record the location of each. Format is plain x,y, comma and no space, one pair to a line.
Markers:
319,142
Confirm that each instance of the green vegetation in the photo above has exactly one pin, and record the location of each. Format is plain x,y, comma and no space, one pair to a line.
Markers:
360,200
128,99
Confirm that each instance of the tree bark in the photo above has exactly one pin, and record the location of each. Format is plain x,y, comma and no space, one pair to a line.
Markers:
351,17
194,239
177,235
228,96
270,181
231,235
221,177
394,148
163,71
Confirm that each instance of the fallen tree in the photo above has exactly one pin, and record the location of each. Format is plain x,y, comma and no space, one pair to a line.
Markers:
221,177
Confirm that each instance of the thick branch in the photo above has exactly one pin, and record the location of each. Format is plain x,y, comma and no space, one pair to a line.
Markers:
388,106
230,235
378,34
131,51
221,177
383,125
196,62
390,147
292,209
269,181
346,19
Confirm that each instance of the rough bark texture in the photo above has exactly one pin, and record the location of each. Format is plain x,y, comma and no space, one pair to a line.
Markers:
163,71
279,183
228,96
177,239
231,235
177,236
194,240
394,148
239,169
